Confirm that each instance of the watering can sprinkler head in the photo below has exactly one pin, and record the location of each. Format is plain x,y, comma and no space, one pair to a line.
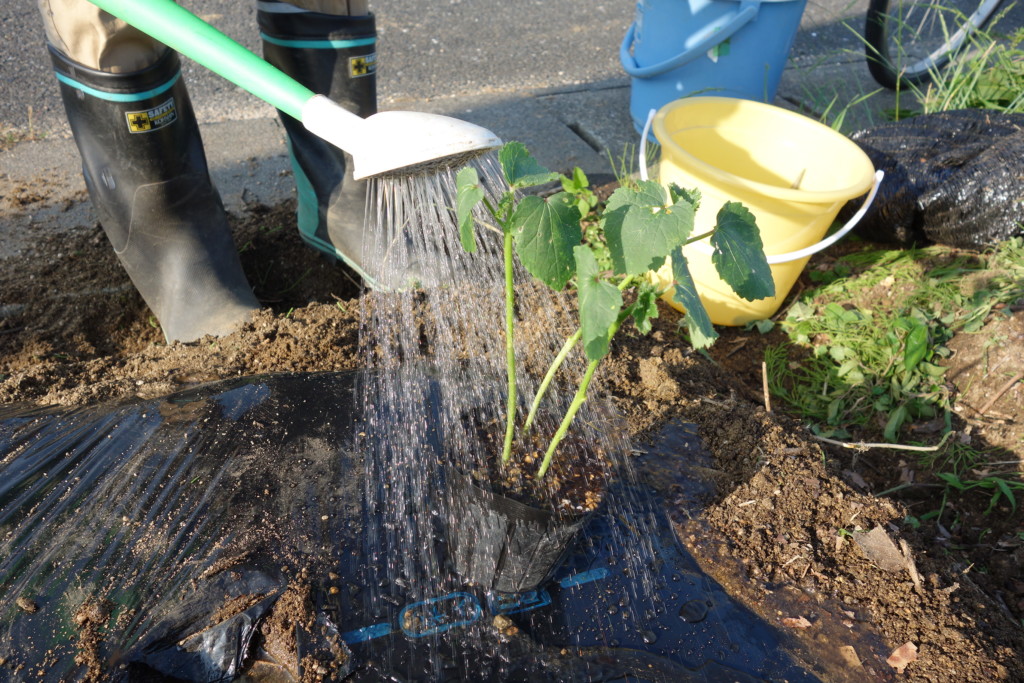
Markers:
397,142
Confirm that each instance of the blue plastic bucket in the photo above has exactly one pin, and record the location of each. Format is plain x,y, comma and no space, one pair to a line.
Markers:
724,48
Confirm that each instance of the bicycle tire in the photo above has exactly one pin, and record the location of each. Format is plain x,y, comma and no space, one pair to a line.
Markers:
908,44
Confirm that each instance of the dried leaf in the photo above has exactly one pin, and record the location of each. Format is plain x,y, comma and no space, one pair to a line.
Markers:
796,622
902,656
849,656
880,549
855,479
908,557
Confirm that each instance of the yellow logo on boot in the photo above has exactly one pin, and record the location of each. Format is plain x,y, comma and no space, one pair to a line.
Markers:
152,119
364,65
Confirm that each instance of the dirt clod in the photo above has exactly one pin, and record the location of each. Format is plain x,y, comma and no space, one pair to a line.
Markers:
26,604
91,619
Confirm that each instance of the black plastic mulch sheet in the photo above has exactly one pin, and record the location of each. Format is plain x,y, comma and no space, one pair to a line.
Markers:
160,540
954,178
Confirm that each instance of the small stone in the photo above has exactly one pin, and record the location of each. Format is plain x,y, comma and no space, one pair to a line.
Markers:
26,604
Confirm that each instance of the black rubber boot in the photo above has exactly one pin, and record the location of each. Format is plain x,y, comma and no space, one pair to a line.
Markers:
332,56
146,172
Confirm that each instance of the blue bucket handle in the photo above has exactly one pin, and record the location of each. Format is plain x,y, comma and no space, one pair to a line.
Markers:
747,13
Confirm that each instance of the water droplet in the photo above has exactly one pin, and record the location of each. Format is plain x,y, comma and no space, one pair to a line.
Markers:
693,611
648,636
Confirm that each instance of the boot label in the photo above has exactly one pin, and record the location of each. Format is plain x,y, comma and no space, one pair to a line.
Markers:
363,65
152,119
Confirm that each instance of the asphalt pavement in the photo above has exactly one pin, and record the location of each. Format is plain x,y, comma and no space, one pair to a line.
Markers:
544,72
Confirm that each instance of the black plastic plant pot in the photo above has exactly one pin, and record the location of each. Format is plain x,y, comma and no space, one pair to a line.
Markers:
502,544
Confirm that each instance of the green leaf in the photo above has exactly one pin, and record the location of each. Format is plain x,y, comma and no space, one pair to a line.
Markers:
468,195
521,169
932,370
702,332
691,196
835,407
916,346
546,231
952,480
580,178
974,325
896,420
641,231
600,304
840,353
1004,488
645,308
801,310
851,372
739,255
762,326
577,184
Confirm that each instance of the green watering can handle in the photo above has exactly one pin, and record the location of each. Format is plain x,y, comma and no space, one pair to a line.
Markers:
183,31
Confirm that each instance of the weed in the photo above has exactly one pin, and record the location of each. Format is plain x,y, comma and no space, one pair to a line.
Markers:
1000,488
625,167
824,105
578,187
854,373
865,350
990,76
297,281
987,74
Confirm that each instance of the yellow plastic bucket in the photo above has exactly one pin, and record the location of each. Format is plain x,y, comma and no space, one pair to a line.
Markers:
793,173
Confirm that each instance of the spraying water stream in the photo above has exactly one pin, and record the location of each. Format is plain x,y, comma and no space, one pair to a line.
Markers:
438,354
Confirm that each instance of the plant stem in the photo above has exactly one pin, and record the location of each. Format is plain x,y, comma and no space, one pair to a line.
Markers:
570,415
510,355
577,402
863,446
698,238
559,359
555,364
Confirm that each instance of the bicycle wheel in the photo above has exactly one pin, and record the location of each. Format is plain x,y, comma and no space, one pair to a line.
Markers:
907,40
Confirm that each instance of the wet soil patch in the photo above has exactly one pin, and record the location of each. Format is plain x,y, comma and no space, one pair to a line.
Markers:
575,483
786,529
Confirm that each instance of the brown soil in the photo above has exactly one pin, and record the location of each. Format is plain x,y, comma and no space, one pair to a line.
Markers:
571,491
291,614
91,619
944,601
